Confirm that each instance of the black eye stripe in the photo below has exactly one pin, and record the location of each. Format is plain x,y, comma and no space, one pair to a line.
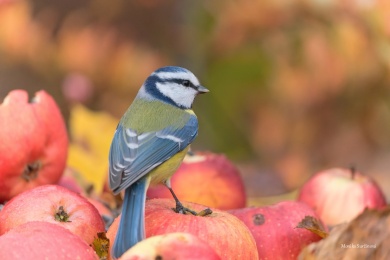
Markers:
186,83
179,81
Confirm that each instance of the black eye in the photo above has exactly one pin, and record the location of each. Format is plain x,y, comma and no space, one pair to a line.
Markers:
186,83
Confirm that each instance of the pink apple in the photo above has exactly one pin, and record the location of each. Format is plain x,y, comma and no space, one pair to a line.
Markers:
274,228
43,240
171,246
34,143
54,204
338,195
208,179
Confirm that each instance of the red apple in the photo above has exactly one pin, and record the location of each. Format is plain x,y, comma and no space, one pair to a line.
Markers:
54,204
225,233
274,228
208,179
34,142
338,195
43,240
171,246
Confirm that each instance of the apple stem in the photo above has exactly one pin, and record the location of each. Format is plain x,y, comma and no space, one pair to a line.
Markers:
30,172
353,171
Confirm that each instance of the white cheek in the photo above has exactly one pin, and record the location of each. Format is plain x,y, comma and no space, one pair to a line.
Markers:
180,95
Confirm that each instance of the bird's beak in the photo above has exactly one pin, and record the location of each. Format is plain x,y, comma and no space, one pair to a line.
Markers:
202,89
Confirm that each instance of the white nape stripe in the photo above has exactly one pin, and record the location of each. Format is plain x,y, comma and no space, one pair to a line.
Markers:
180,95
144,95
178,75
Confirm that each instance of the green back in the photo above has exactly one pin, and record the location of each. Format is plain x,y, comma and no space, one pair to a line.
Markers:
148,116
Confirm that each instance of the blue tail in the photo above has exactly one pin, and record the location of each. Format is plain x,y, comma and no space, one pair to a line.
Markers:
131,228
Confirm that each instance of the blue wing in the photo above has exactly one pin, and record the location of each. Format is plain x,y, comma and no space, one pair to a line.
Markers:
132,154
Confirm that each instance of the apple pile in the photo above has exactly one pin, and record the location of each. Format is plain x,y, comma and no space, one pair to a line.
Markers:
48,214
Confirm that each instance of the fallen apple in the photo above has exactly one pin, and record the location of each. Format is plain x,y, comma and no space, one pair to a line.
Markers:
275,228
208,179
171,246
225,233
339,195
54,204
43,240
34,143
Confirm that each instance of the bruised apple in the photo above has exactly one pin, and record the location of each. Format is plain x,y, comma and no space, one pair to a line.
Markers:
179,246
34,143
54,204
208,179
43,240
339,194
225,233
275,228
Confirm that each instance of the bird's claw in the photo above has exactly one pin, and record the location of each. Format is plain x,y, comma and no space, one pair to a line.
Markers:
183,210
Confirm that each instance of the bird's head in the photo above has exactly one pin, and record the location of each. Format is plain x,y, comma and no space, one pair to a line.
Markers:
174,85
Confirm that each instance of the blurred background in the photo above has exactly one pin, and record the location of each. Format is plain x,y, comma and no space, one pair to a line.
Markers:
296,86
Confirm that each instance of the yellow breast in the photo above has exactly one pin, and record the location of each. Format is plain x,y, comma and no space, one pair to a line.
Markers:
168,168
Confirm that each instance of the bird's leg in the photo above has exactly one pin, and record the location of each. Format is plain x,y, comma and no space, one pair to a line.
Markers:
183,210
179,207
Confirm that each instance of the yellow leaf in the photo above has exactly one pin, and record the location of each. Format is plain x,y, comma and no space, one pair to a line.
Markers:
101,245
91,135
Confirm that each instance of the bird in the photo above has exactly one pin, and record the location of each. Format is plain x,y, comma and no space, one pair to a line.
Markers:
149,144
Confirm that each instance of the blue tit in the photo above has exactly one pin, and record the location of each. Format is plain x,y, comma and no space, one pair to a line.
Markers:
149,144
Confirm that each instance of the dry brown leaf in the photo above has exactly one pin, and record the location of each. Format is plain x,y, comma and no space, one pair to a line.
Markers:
314,225
366,237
